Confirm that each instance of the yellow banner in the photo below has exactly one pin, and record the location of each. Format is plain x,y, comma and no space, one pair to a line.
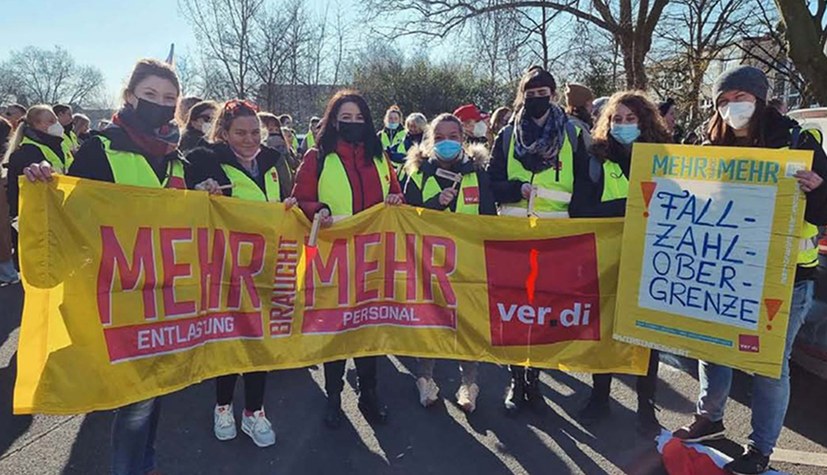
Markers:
136,292
709,252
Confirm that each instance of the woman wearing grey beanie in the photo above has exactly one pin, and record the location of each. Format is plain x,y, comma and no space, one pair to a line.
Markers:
743,119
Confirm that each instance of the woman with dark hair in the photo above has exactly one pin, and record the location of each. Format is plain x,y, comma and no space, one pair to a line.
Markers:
743,119
628,118
534,164
199,122
348,173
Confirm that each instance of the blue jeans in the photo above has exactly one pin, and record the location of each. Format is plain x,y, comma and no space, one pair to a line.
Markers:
770,396
7,271
133,437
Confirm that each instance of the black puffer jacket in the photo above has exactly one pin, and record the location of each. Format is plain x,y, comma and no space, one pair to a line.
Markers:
205,162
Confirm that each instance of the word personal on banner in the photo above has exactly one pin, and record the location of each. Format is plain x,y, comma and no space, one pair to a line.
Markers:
707,251
166,288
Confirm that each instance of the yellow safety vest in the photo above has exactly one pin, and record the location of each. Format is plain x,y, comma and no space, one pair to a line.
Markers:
70,143
129,168
553,195
416,178
245,188
59,165
468,198
808,245
615,183
309,140
333,187
388,143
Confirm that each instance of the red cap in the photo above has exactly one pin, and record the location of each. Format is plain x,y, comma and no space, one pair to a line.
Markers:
468,112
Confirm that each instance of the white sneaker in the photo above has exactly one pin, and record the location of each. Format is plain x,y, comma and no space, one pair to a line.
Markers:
428,391
467,397
259,429
224,422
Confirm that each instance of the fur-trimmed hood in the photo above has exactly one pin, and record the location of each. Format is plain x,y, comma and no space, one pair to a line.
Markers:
477,157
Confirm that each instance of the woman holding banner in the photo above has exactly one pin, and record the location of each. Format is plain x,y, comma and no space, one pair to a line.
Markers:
629,117
346,174
235,164
535,161
139,149
743,119
444,176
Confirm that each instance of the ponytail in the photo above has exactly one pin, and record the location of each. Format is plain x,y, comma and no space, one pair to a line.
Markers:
31,116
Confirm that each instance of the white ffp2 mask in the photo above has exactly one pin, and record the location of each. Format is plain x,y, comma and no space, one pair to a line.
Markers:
737,114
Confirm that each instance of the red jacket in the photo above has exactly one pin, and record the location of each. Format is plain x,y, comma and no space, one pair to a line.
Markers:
364,181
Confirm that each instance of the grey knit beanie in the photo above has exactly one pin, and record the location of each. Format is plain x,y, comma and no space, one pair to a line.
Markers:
743,78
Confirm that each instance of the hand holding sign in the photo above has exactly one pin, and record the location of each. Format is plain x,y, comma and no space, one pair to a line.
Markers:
447,196
808,180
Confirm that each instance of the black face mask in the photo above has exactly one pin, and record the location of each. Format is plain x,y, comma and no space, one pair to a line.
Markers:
68,128
416,138
352,132
154,115
536,107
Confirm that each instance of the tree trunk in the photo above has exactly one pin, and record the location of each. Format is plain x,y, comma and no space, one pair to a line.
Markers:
803,37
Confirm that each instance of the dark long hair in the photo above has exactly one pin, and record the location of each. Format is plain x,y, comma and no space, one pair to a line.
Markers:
329,134
720,133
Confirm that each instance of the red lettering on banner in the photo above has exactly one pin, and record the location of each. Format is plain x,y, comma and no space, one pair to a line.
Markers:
441,272
365,267
283,299
430,272
244,275
212,269
143,264
158,338
413,315
173,270
407,266
336,261
563,304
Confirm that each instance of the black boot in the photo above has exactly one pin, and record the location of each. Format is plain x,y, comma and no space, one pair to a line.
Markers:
647,422
374,411
595,410
333,414
515,399
533,396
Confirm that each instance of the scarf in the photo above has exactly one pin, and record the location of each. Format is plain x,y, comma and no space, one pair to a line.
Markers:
155,144
545,145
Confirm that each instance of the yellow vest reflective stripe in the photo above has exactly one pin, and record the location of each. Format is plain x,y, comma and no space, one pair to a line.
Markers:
245,188
468,198
60,166
309,140
416,178
615,183
387,142
808,245
553,195
808,248
130,168
333,187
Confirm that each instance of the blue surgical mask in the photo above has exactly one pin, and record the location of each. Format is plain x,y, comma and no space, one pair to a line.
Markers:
625,133
447,150
393,125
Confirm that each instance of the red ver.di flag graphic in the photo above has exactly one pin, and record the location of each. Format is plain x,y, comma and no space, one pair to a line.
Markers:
543,291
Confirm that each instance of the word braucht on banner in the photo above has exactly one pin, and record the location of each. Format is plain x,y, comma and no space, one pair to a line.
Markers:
164,288
709,252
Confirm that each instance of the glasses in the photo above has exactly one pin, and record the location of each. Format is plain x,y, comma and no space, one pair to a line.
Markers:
205,118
